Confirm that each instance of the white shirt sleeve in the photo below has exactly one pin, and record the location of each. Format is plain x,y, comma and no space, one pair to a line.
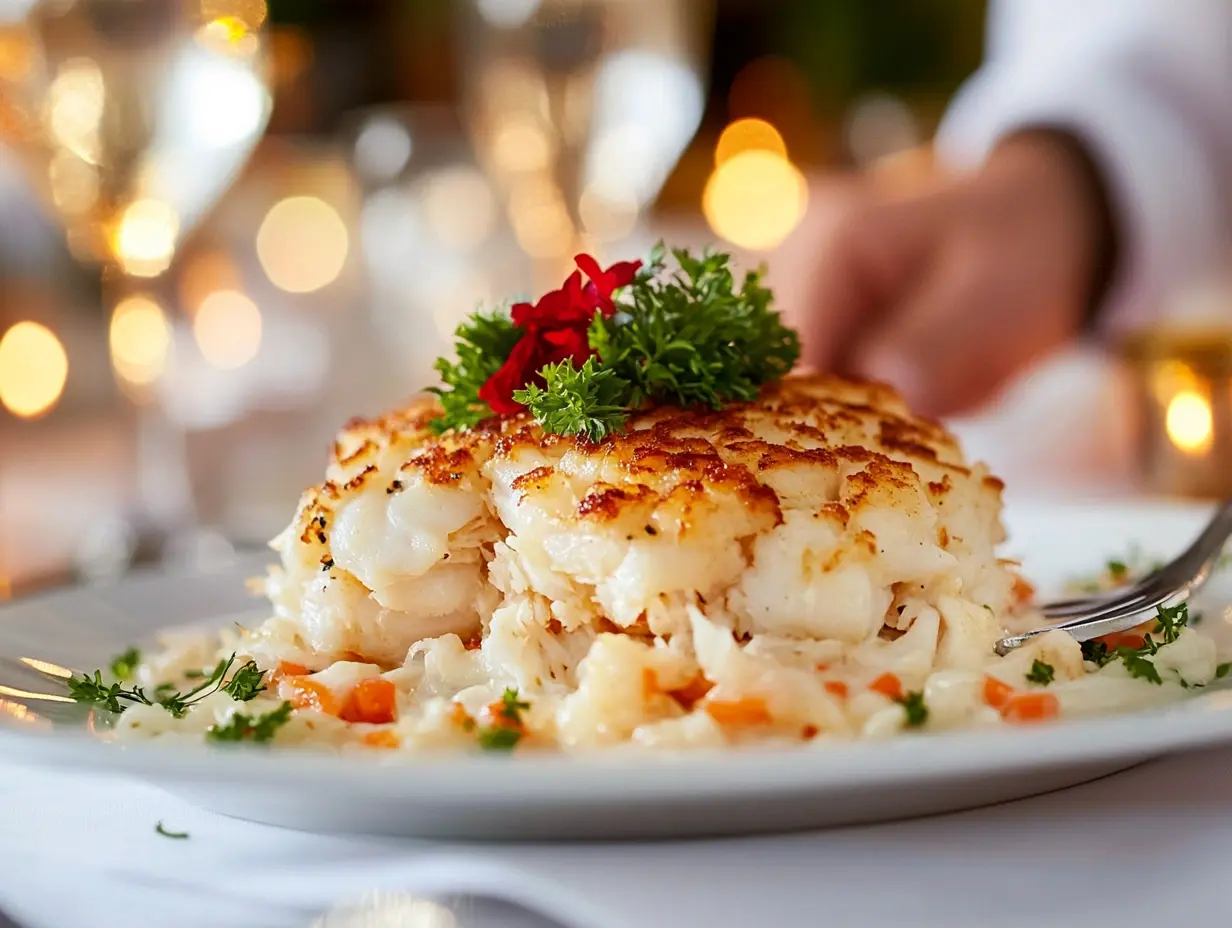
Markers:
1147,86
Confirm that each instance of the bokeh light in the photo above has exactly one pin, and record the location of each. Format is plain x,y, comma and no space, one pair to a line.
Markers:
459,206
748,134
1189,422
507,14
250,13
755,199
75,102
520,144
204,273
227,329
33,369
606,216
73,183
541,222
144,238
139,337
302,244
382,149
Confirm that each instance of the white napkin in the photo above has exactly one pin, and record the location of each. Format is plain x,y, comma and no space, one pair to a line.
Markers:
1146,847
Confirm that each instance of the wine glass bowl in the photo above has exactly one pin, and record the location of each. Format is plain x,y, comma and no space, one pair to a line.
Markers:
579,110
133,116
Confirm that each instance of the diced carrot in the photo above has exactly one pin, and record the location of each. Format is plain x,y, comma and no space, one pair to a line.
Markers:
748,711
1031,707
382,739
1116,640
996,693
474,642
304,693
809,732
822,668
836,688
650,683
374,700
888,685
1023,590
287,669
692,692
460,717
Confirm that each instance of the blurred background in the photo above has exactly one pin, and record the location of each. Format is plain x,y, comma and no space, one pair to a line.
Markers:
229,225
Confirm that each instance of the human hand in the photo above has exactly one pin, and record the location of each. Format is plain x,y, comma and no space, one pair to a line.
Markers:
948,293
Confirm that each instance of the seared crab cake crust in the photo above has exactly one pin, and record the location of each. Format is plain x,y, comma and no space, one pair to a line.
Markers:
824,510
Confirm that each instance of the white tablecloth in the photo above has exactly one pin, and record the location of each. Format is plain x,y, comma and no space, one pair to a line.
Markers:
1146,847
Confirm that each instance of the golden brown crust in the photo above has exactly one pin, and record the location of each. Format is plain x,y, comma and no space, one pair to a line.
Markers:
668,461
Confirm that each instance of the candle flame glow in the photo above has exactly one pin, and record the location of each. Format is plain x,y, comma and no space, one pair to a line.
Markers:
1189,422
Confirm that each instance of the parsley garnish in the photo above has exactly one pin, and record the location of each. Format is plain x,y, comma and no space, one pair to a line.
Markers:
506,730
1117,569
1139,666
483,343
1041,673
588,401
244,685
243,727
688,336
247,682
1169,620
92,690
915,709
498,738
1222,670
1096,652
178,835
125,665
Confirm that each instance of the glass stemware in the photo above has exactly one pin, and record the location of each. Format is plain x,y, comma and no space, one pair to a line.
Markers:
132,118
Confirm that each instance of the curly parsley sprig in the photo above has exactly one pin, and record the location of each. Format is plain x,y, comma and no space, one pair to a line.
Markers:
484,340
689,335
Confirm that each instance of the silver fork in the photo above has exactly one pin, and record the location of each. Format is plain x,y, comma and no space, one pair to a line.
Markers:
1092,616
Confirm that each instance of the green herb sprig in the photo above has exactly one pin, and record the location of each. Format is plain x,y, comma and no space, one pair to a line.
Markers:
243,685
1169,621
259,728
484,341
690,336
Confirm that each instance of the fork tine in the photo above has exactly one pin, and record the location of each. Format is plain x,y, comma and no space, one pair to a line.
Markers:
1144,596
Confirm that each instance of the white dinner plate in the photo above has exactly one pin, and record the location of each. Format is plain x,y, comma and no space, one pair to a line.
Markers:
598,796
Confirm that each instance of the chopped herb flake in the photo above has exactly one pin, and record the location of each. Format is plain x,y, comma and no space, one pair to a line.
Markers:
243,727
123,666
1041,673
915,709
178,835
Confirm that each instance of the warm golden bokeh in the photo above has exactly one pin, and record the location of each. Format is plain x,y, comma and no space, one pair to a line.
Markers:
1189,422
144,239
302,244
139,338
33,370
748,134
755,199
227,328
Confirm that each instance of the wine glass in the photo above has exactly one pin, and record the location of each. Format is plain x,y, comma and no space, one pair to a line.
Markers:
132,118
579,110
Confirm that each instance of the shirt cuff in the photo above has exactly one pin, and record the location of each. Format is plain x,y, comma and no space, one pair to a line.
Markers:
1163,190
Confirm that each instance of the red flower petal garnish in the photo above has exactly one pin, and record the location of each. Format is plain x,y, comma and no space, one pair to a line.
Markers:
555,329
604,283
